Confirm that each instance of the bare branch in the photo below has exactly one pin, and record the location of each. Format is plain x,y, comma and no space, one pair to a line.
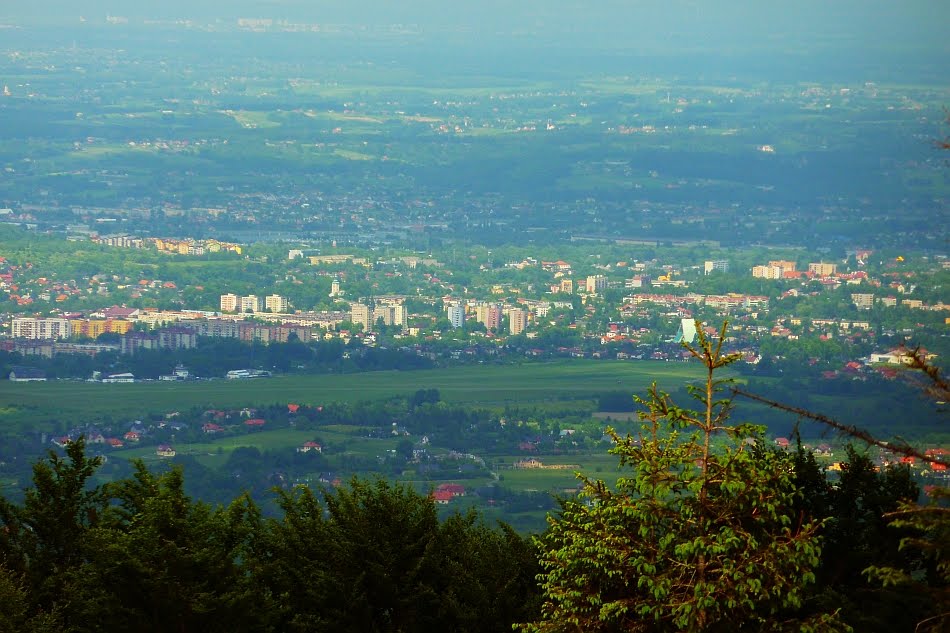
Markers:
847,429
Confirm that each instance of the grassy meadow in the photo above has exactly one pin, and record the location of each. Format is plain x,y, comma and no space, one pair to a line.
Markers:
537,383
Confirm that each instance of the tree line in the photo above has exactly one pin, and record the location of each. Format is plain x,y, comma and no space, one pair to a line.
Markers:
139,554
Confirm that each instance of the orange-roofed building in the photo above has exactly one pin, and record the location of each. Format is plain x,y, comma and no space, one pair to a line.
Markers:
442,497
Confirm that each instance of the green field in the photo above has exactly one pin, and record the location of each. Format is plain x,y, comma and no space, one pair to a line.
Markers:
535,383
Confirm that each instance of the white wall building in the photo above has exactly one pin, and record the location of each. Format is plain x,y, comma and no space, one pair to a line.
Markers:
53,328
229,303
276,303
251,303
359,315
456,315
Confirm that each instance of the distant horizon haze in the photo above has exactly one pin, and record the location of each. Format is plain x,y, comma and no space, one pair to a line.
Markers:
848,40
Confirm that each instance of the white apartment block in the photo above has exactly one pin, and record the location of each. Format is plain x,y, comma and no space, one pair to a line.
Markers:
391,314
359,315
229,303
399,315
276,303
456,315
251,303
53,328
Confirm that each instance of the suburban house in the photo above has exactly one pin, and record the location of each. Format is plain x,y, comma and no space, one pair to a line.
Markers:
164,450
442,497
902,356
310,446
529,462
456,490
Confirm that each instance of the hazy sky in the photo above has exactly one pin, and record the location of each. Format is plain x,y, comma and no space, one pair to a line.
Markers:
906,22
888,35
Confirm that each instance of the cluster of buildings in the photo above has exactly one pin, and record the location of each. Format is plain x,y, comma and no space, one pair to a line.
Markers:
784,269
64,328
722,303
391,311
165,330
169,245
252,303
489,314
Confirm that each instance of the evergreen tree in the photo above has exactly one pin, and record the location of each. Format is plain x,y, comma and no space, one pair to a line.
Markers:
43,540
373,556
160,561
701,535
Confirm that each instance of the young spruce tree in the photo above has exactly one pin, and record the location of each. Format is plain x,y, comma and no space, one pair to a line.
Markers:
700,534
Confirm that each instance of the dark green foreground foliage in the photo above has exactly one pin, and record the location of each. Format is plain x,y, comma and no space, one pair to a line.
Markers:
139,555
696,536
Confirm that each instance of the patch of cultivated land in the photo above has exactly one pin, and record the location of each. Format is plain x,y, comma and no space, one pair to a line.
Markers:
37,403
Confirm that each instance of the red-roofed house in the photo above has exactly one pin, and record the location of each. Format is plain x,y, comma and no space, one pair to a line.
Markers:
456,490
211,428
254,422
310,446
441,497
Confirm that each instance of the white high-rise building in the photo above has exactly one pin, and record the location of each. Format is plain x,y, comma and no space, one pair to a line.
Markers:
359,315
456,315
229,303
276,303
251,303
399,315
390,313
54,328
